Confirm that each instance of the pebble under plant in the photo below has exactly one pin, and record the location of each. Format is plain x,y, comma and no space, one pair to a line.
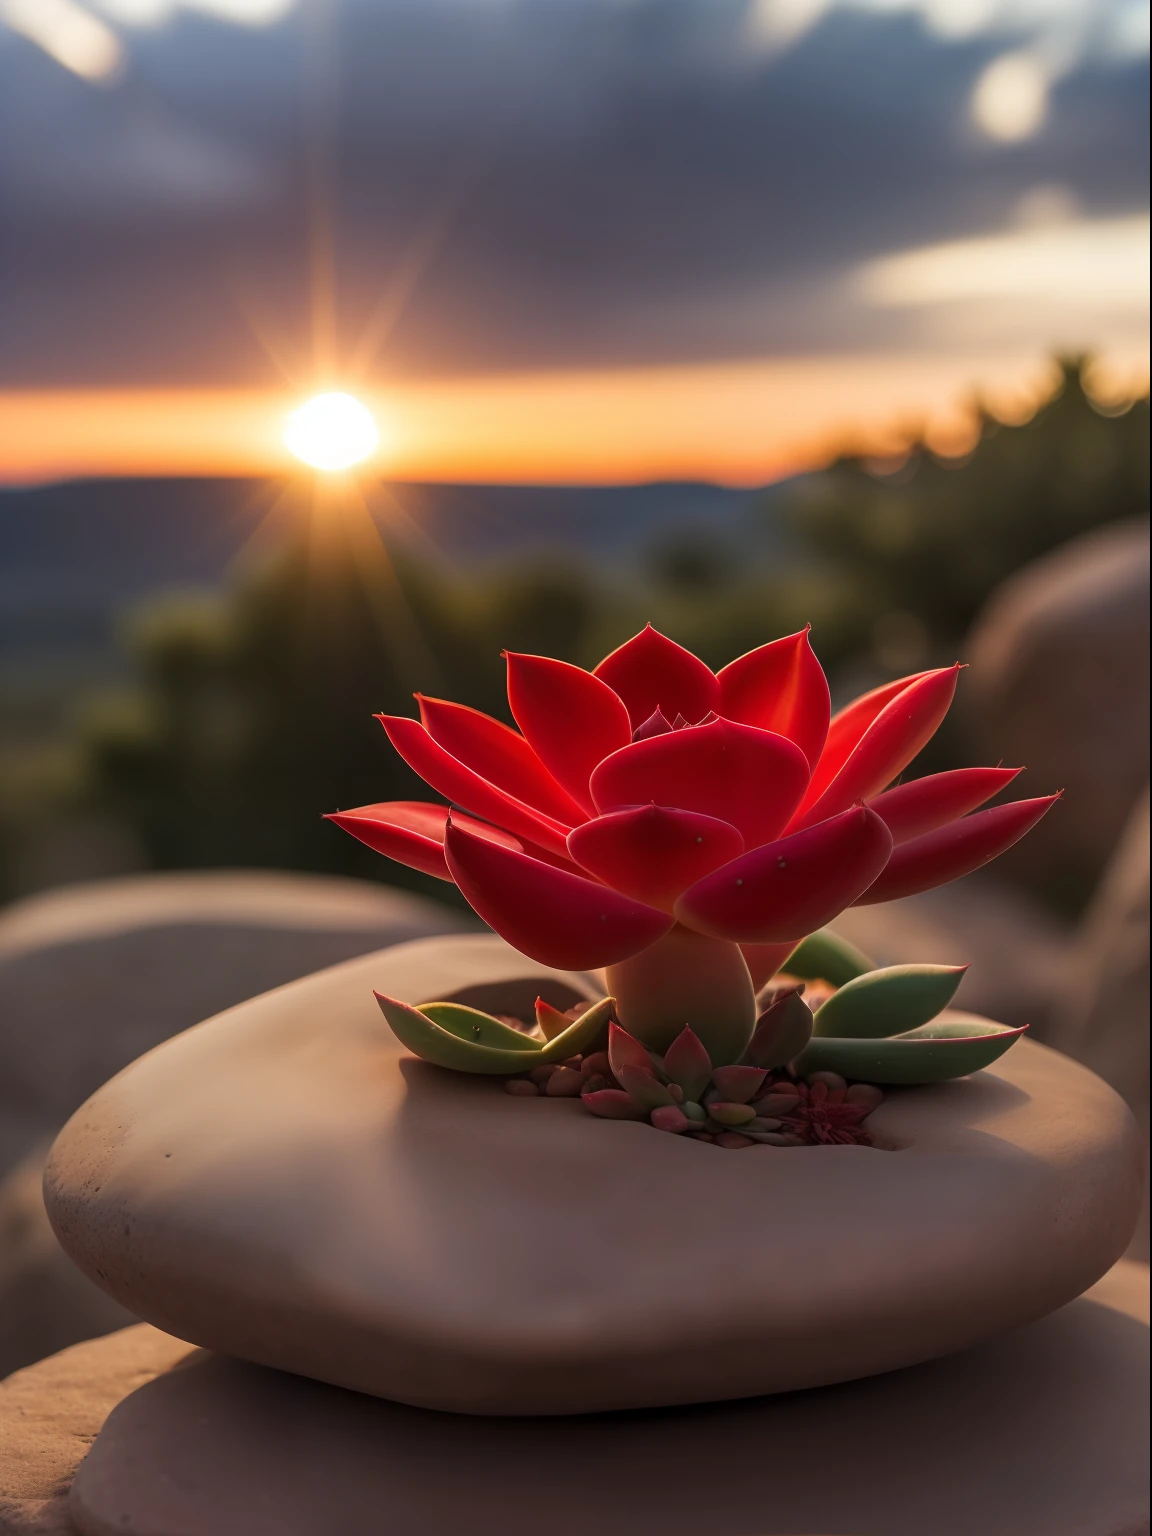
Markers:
687,830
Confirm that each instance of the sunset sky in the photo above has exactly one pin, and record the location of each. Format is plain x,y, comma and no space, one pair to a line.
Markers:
577,240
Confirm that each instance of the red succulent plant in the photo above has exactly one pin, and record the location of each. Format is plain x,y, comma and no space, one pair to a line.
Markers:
685,828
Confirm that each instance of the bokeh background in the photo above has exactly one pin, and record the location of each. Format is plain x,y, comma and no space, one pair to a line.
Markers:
730,315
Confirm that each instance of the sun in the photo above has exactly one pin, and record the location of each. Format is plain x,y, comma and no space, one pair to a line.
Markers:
332,432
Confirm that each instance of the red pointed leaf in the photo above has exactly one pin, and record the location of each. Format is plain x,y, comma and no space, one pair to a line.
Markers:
624,1050
551,1021
655,725
613,1104
764,960
653,852
780,687
889,744
570,719
548,914
643,1088
922,805
750,778
847,727
955,850
460,784
498,755
412,832
789,888
782,1031
651,672
688,1064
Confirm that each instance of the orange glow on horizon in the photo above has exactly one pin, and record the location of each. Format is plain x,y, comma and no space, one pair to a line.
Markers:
735,423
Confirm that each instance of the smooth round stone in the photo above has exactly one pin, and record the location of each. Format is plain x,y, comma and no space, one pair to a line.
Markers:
1042,1432
285,1184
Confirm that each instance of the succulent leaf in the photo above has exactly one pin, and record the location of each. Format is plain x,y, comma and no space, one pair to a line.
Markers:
497,754
653,852
917,1057
557,918
412,832
651,672
613,1104
848,726
738,1085
825,956
688,1064
551,1021
785,889
736,773
498,1049
643,1088
570,719
780,687
582,1033
922,805
669,1118
462,786
887,1002
626,1051
957,849
731,1114
478,1027
888,745
782,1031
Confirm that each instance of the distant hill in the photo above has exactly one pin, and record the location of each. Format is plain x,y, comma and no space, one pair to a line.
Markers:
75,555
75,550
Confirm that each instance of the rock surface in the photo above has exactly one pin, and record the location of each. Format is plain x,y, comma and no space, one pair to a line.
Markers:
1040,1433
45,1302
285,1184
91,977
1104,1018
51,1413
1059,682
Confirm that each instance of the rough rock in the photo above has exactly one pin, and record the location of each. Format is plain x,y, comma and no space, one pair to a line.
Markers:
1040,1433
1104,1018
45,1302
284,1183
51,1413
1059,682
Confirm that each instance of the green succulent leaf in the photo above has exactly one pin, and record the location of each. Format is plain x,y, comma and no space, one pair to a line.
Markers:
934,1053
825,956
462,1039
477,1027
581,1034
643,1089
782,1031
887,1002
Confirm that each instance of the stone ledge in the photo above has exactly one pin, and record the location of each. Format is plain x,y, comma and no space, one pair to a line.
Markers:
1040,1433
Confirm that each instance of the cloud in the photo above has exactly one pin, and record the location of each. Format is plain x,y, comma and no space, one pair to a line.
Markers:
521,185
1102,262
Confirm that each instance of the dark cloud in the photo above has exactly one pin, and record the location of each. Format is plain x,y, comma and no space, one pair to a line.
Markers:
575,183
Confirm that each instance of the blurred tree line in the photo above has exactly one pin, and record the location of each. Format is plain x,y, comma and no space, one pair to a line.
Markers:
253,712
916,550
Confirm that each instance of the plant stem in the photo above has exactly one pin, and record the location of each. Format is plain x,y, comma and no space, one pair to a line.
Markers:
686,978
